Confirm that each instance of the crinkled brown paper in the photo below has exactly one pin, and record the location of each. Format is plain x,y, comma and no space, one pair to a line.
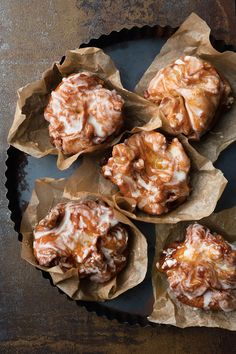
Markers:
207,184
48,192
167,309
192,38
29,131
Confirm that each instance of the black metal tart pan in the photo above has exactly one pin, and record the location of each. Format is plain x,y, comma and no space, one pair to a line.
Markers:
132,51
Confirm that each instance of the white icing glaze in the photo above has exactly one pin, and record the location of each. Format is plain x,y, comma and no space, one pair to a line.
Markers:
202,266
81,108
190,86
155,172
171,262
179,62
75,235
207,298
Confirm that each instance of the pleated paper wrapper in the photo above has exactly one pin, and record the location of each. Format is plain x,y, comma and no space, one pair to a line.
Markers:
47,193
207,184
167,309
192,38
29,131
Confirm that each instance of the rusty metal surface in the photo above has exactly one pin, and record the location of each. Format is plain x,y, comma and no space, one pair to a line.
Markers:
33,34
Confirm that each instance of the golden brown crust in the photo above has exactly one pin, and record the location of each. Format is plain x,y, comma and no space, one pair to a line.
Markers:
83,235
190,93
201,271
82,113
151,171
227,298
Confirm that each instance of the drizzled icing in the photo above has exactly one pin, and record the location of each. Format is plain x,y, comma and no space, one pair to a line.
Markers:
189,91
201,270
82,113
85,235
150,171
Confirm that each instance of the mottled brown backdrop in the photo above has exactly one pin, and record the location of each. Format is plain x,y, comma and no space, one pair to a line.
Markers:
34,317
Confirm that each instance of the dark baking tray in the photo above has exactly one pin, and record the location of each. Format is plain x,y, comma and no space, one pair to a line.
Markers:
132,51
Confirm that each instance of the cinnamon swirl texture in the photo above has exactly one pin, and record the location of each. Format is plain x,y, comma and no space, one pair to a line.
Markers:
84,235
201,271
82,113
191,94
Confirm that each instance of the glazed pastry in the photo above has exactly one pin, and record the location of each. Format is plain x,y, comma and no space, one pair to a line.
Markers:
201,271
151,171
190,94
84,235
82,113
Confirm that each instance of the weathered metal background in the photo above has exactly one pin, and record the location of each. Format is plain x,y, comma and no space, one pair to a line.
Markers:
34,318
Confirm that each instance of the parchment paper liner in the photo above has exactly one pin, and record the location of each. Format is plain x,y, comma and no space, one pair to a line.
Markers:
192,38
29,131
48,192
206,181
166,308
